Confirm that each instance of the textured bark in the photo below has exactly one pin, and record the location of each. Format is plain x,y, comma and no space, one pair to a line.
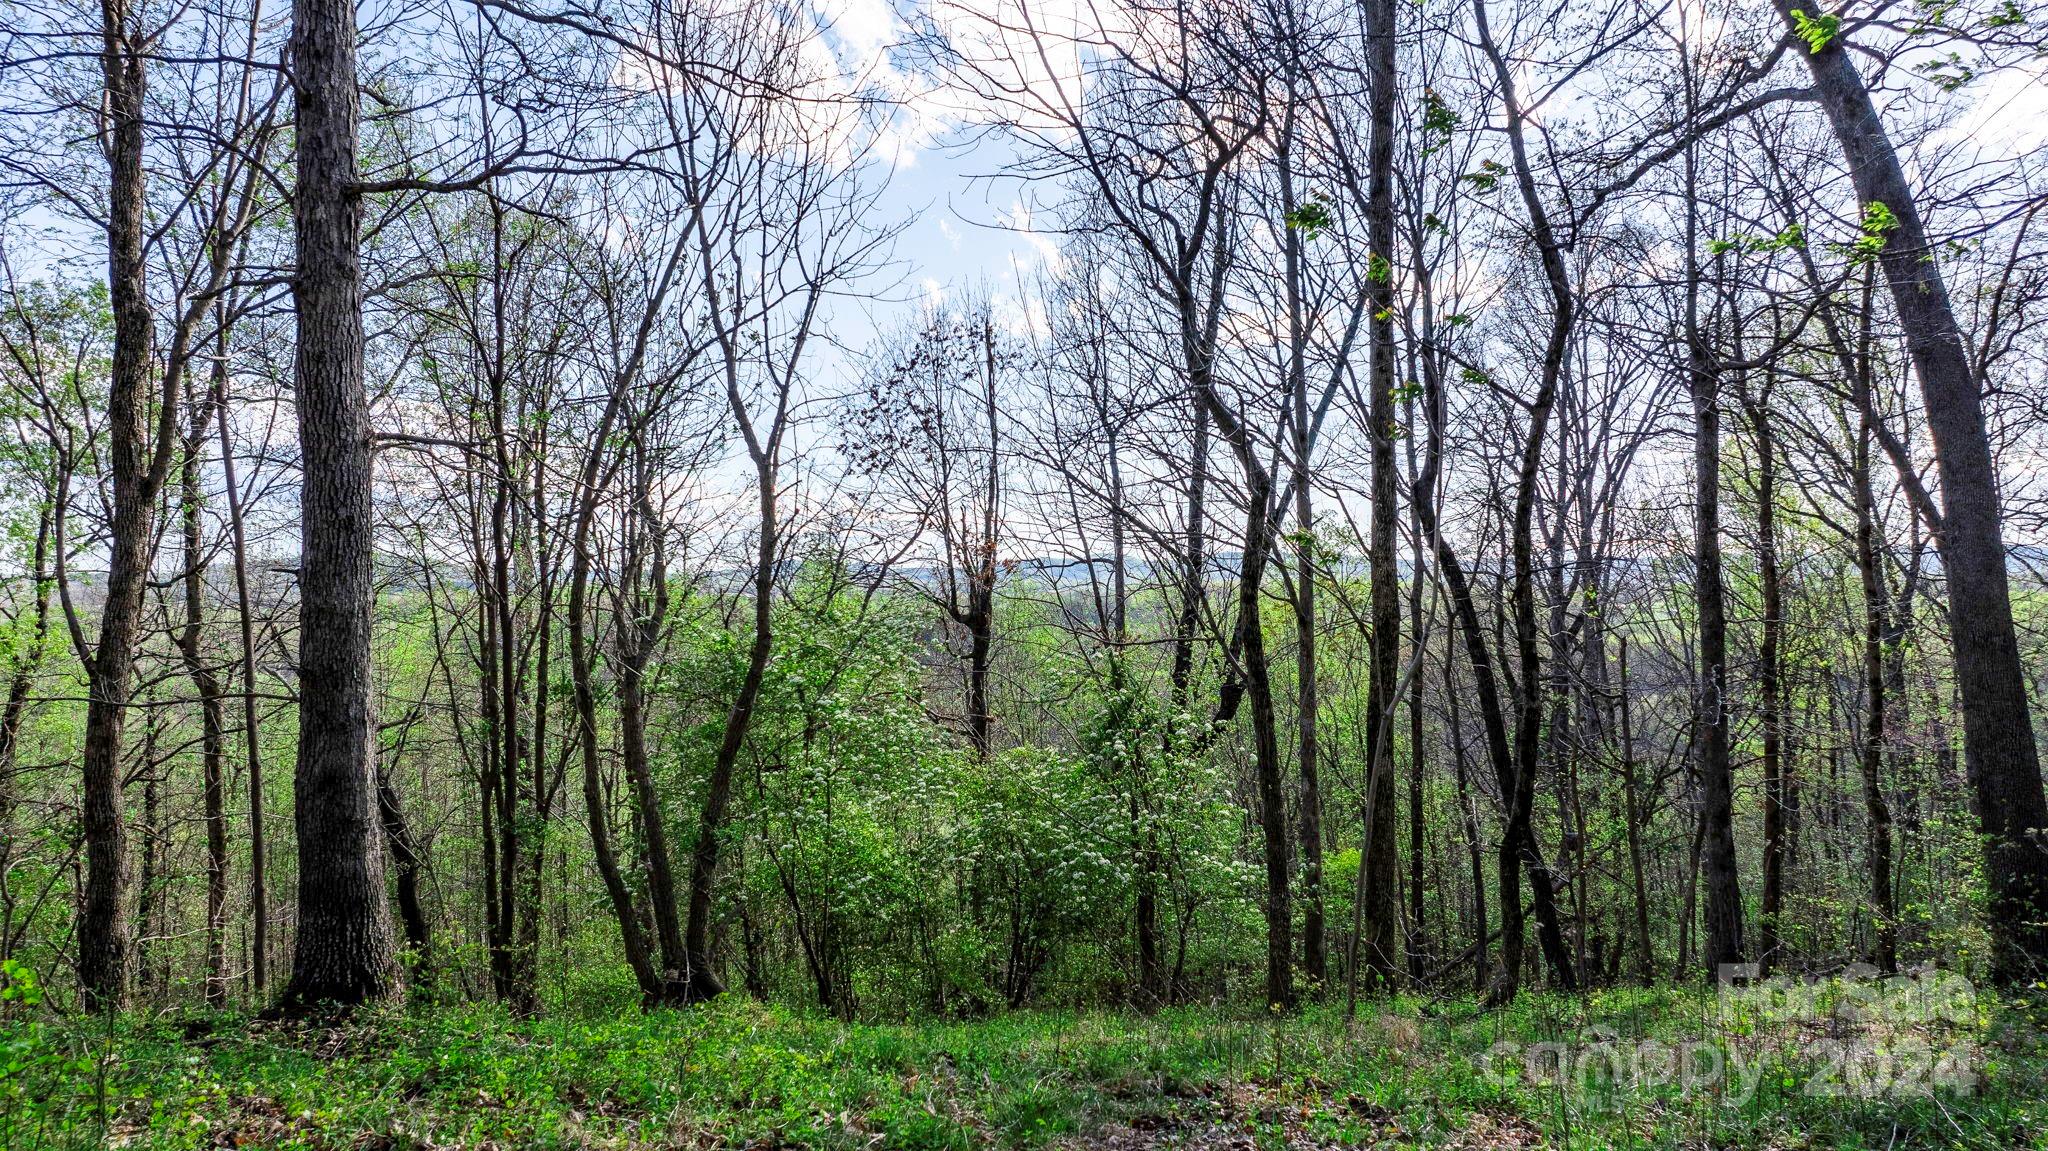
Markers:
1713,765
136,474
1770,676
1382,953
2002,759
344,952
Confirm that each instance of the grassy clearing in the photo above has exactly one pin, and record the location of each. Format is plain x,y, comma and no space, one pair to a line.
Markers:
740,1074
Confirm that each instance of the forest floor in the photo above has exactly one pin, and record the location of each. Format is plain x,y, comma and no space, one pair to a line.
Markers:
1624,1069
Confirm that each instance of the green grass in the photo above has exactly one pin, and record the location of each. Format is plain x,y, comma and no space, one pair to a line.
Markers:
740,1074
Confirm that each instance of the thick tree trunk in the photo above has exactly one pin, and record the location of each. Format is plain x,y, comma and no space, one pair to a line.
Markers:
104,946
344,951
1998,737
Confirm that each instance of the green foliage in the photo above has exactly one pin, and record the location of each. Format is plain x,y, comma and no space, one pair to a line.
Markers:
1311,217
1948,73
1488,177
1439,120
1817,31
736,1073
1791,237
1877,222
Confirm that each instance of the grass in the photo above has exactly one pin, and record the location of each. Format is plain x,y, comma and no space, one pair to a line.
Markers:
738,1074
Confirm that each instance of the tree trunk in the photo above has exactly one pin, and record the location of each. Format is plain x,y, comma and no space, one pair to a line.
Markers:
1309,828
212,712
1710,713
1634,816
104,946
344,950
700,982
1382,882
641,614
1518,791
1998,738
1770,676
1884,950
252,736
1258,682
405,868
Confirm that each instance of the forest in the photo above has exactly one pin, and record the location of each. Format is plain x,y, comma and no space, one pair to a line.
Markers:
1023,573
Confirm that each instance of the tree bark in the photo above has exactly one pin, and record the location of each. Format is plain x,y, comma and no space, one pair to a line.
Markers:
1770,676
1382,881
1714,764
344,951
104,947
1998,738
1884,948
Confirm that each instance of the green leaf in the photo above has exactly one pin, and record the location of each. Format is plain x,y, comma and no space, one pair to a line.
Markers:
1311,218
1487,178
1817,31
1439,119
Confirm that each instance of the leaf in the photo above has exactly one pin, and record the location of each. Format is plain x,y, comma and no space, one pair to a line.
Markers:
1817,31
1311,218
1487,178
1439,119
1878,219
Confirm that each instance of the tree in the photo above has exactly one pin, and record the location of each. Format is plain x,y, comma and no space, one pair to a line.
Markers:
344,952
1998,733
